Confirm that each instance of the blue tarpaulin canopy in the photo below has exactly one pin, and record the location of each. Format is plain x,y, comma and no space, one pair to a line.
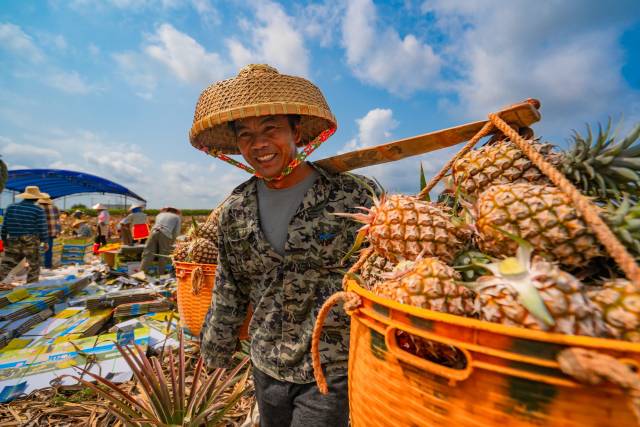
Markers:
60,183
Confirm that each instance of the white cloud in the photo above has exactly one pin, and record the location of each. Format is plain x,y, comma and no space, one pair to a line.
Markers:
373,129
274,40
13,39
184,56
381,57
23,153
124,162
69,82
565,53
321,21
207,12
138,71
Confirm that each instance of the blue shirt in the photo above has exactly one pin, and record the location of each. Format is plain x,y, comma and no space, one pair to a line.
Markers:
25,218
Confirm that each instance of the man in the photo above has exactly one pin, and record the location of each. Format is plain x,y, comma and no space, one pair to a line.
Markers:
279,243
23,229
127,225
163,233
54,227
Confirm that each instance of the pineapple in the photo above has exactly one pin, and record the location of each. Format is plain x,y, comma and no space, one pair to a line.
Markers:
209,231
624,219
181,251
601,168
536,294
203,251
428,283
373,270
402,227
541,215
619,302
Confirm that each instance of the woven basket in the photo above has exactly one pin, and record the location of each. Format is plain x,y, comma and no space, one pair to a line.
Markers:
195,286
257,90
511,376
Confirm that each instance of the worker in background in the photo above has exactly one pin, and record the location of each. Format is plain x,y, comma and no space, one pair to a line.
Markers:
160,243
102,225
23,229
52,214
136,217
81,228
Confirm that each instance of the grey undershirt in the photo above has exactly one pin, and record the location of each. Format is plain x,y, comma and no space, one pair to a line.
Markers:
277,207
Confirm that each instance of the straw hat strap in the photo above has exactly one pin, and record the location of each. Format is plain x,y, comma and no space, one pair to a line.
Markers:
300,157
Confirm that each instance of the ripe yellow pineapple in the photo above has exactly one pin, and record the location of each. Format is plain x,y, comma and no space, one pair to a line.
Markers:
203,251
428,283
597,167
401,227
181,251
541,215
619,302
536,294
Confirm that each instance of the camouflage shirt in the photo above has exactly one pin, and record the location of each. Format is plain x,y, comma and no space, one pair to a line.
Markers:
285,291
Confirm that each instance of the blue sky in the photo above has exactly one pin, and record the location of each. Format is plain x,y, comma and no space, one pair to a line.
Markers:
109,87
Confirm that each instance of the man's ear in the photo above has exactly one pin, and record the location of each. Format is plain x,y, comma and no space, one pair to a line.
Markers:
297,133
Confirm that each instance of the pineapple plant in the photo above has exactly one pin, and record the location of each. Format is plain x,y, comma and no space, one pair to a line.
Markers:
536,294
598,166
401,227
201,245
428,283
619,303
541,215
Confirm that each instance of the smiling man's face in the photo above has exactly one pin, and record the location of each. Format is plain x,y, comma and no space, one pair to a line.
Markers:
267,143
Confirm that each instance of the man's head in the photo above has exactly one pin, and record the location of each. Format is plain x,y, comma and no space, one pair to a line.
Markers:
268,143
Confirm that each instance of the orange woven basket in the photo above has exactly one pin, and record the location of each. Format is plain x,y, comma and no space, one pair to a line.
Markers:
511,376
194,296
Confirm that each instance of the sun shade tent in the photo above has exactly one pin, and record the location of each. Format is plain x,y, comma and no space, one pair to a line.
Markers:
60,183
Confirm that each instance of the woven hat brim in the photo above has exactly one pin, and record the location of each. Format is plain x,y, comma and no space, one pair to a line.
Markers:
212,132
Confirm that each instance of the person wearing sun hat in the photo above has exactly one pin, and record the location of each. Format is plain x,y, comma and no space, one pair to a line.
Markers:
102,224
23,229
54,226
279,243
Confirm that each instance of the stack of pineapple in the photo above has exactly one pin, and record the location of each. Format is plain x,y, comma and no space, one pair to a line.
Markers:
511,248
201,246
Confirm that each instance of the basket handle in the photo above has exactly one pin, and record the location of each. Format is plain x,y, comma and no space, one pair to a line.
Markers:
453,375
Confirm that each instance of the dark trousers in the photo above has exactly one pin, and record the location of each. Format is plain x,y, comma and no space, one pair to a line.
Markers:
157,244
283,404
48,255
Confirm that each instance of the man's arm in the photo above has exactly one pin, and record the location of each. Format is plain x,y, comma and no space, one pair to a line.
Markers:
219,335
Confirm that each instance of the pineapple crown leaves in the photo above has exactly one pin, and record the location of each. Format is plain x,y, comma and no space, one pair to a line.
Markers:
423,183
612,167
516,275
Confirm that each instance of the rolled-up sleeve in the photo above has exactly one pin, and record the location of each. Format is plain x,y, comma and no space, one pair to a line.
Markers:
229,303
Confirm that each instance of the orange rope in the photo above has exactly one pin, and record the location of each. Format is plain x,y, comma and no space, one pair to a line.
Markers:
351,302
364,256
616,250
486,130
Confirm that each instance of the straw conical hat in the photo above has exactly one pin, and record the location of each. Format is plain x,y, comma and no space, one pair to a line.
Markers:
31,192
45,200
257,90
98,207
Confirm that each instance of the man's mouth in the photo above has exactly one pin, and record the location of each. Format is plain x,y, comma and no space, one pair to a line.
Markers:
266,158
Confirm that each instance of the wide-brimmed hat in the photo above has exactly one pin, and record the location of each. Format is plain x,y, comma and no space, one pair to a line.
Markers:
98,207
31,192
46,200
136,205
257,90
